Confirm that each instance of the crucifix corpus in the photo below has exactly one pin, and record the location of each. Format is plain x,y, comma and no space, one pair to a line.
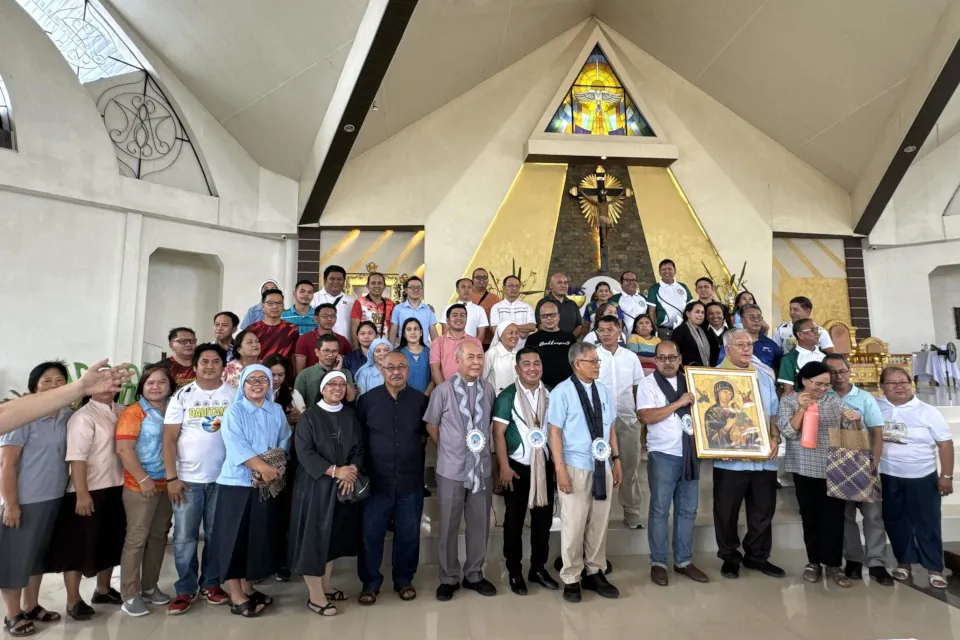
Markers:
601,201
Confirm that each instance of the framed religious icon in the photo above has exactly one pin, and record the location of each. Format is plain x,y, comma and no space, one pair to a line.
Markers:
728,418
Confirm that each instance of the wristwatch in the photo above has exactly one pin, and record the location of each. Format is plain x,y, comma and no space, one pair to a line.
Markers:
614,458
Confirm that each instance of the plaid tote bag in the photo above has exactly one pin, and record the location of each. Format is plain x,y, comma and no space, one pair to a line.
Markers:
850,472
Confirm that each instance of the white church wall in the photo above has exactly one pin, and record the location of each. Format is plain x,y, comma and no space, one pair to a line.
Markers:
451,170
64,149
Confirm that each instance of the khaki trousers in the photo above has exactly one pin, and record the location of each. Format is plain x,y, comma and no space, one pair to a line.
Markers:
583,526
630,494
148,521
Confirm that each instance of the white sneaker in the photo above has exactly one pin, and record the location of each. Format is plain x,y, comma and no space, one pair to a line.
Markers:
135,607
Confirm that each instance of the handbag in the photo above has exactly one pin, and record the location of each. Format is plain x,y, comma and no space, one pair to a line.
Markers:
361,489
850,472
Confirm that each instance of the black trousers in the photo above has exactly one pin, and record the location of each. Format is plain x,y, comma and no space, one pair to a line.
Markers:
823,521
730,489
541,518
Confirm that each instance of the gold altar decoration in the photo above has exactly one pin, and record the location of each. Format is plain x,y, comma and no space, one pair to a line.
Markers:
356,283
601,198
868,357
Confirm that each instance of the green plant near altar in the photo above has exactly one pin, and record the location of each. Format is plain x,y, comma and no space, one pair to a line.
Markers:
729,285
525,282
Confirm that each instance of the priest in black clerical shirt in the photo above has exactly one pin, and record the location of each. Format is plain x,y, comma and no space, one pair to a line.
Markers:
553,345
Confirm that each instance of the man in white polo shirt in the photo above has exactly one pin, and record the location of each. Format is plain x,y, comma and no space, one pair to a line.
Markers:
667,299
477,321
620,373
334,277
630,301
515,310
800,309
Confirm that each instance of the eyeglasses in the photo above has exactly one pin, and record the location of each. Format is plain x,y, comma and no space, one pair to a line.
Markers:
416,288
185,341
839,372
480,277
820,385
593,361
810,330
667,358
898,383
742,345
753,317
549,315
257,381
395,368
330,352
629,280
273,303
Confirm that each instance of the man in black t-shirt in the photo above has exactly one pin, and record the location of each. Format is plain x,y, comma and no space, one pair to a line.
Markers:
553,345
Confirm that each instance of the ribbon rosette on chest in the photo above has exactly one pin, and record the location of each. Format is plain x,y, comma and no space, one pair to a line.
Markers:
537,439
475,440
600,449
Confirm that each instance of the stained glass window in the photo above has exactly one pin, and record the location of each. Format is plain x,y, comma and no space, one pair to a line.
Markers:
598,104
150,141
6,126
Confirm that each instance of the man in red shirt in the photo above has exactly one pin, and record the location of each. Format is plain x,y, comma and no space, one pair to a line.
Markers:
326,317
276,336
183,342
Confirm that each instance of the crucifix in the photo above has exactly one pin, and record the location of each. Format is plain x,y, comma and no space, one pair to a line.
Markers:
601,201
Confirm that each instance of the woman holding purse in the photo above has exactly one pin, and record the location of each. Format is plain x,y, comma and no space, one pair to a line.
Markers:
822,515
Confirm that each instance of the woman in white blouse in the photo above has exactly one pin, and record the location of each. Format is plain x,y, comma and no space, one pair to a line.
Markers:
500,361
914,436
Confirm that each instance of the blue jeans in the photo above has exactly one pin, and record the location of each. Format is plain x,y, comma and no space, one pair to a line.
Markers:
665,475
199,504
406,510
911,516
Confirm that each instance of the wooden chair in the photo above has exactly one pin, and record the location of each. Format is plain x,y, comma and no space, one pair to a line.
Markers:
843,336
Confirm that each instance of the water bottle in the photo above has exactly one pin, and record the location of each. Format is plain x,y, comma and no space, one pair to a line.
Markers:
811,421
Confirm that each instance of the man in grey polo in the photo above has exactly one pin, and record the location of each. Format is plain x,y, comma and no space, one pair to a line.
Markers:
458,421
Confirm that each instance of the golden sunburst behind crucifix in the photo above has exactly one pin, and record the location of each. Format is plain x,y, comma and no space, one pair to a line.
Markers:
601,201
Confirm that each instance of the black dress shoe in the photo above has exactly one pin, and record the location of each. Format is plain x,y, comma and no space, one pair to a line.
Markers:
517,585
571,592
854,570
766,567
445,592
542,578
598,582
112,596
880,575
482,586
730,570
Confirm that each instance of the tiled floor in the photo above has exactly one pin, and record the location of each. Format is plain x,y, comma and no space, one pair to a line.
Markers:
752,608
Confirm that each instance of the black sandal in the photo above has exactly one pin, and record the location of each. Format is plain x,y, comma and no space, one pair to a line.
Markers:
260,598
367,597
328,610
407,593
20,627
39,614
336,596
248,609
81,611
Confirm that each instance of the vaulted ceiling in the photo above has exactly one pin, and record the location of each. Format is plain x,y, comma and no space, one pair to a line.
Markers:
820,77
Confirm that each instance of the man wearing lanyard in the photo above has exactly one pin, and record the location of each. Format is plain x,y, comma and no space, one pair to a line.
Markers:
583,444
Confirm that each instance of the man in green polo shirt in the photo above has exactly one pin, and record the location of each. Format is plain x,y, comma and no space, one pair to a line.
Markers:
328,359
808,336
526,475
874,533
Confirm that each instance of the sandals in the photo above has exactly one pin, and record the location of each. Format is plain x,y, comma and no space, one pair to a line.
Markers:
839,577
326,610
368,597
260,598
39,614
407,593
81,611
20,627
937,581
336,596
812,572
901,574
248,609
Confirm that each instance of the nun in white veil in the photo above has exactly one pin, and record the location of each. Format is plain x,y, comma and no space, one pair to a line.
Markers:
499,363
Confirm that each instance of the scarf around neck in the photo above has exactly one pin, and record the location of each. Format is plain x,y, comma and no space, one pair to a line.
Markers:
473,479
691,470
538,457
696,332
593,412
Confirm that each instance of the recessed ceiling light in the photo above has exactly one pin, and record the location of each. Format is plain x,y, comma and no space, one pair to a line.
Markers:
349,128
909,149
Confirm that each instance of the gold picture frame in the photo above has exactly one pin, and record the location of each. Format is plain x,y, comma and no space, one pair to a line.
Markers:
728,425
